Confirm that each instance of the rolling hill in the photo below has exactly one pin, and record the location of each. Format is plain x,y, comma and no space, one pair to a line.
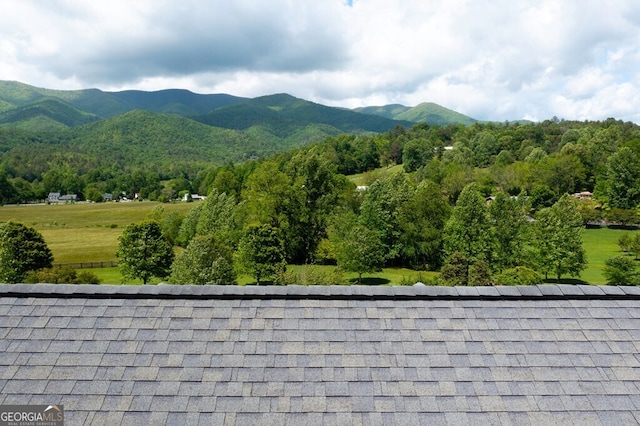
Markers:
172,126
21,105
283,114
109,104
47,114
426,112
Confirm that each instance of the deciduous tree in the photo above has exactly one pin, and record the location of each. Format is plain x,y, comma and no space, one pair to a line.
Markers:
143,252
620,270
205,261
468,230
261,252
623,179
380,210
22,249
558,238
421,220
509,219
359,249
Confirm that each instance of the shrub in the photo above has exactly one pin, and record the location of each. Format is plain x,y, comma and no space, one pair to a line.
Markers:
479,274
456,271
620,270
284,276
520,275
310,275
419,278
61,275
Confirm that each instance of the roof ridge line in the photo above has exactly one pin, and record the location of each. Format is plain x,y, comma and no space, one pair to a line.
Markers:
354,292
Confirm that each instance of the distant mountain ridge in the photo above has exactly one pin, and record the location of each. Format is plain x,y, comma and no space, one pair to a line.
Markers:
109,104
283,113
426,112
171,126
22,105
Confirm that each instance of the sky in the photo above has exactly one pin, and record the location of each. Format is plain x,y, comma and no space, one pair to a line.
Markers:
490,59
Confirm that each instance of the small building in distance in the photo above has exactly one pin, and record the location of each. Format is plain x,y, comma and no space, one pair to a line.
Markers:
55,197
193,197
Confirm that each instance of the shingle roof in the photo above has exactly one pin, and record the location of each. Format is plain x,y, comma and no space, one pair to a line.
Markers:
323,355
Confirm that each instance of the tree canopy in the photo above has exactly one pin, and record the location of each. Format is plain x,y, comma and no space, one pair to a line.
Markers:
143,252
22,249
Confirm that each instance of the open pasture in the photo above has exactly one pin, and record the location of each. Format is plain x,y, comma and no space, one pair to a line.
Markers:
83,232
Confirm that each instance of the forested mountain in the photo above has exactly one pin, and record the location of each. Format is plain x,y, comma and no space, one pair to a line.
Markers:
109,104
47,114
282,114
426,112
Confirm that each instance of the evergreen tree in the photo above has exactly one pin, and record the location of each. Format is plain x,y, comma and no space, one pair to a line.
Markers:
456,271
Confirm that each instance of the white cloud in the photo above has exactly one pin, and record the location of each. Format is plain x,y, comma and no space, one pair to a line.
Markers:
497,60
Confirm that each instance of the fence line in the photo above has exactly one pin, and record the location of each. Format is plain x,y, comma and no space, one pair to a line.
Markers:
88,265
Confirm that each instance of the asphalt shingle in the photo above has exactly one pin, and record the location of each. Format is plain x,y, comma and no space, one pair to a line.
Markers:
359,355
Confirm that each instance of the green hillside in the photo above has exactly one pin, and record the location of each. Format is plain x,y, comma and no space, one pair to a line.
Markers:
146,139
175,101
143,137
109,104
49,114
434,114
285,114
427,112
286,119
388,111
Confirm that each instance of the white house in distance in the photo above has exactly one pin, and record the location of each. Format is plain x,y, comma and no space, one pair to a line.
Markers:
55,197
194,197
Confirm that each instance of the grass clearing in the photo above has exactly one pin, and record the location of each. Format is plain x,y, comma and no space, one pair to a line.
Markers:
600,244
83,232
366,178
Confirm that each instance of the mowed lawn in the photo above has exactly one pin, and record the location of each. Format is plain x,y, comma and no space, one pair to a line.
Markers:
89,233
600,244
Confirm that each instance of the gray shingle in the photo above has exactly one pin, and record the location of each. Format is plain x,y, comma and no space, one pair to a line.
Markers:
424,356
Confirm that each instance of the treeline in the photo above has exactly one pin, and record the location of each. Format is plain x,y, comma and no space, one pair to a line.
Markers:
487,203
300,211
552,157
512,181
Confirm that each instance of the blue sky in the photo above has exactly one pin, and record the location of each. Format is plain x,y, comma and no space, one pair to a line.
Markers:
490,59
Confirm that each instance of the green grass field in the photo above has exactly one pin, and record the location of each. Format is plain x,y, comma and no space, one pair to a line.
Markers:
89,233
83,232
600,244
367,177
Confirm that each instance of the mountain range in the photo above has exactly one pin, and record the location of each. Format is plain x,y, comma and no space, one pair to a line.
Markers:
204,127
30,107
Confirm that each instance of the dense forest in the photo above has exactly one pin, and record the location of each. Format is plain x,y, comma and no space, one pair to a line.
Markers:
479,201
